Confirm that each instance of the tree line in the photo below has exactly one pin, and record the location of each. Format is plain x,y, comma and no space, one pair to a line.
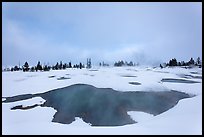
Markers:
60,66
191,62
39,67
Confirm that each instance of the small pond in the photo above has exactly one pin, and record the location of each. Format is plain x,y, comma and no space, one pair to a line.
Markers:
190,76
63,78
128,76
173,80
51,76
101,106
135,83
93,70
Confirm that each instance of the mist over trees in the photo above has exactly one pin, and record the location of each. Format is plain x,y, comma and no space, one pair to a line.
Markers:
88,64
122,63
103,64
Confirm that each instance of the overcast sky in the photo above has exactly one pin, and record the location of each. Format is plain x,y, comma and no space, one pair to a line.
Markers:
141,32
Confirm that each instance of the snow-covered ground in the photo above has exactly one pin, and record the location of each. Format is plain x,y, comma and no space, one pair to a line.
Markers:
184,118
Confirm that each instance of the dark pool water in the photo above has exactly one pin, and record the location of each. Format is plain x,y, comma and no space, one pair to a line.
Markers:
190,76
102,106
135,83
194,72
51,76
173,80
63,78
93,70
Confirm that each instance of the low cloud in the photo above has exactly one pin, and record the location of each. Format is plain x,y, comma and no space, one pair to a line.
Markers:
146,33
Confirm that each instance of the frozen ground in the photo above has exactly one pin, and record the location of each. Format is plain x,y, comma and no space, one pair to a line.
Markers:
184,118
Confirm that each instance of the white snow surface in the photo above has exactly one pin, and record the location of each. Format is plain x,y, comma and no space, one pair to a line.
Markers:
185,118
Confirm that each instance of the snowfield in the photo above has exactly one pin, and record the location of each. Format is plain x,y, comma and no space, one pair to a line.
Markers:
184,118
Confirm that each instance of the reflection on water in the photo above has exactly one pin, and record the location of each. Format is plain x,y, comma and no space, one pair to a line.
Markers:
103,106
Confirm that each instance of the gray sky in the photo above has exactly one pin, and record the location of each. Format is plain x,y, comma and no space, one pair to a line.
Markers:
141,32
